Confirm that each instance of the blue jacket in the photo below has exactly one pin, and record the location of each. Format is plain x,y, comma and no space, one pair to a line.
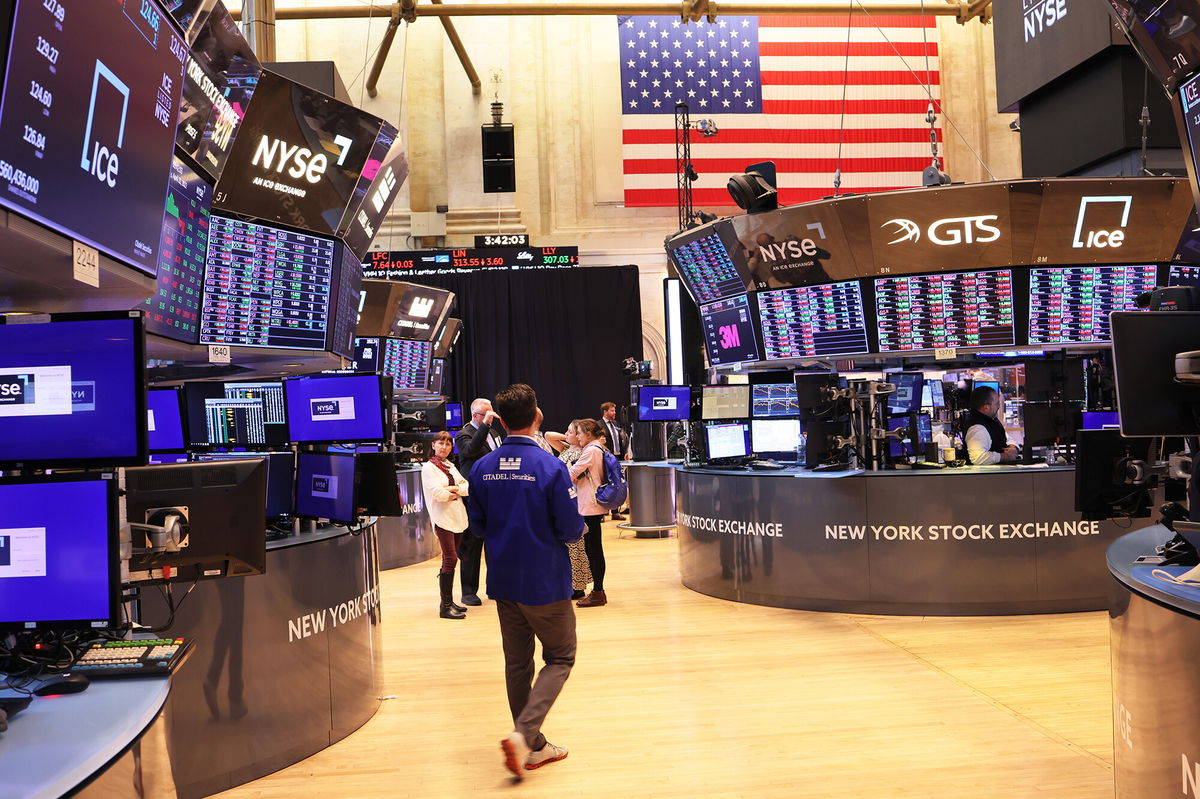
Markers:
523,507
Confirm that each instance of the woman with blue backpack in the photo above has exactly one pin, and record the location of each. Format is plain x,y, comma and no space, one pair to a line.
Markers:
595,484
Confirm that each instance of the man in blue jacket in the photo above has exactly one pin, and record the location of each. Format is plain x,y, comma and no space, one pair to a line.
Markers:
523,507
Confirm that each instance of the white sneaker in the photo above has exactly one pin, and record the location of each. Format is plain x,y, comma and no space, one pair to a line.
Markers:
547,754
516,752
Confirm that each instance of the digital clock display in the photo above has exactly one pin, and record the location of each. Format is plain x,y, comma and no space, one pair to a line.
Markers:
91,97
502,240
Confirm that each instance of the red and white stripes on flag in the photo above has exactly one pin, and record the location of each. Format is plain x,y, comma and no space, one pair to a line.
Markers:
803,67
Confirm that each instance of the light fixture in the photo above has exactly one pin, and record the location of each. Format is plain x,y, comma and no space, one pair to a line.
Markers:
707,127
753,193
690,173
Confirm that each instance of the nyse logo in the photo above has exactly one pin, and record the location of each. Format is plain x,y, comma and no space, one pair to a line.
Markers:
1100,238
948,232
100,160
510,464
1041,14
664,403
274,154
421,307
328,409
16,389
789,249
325,486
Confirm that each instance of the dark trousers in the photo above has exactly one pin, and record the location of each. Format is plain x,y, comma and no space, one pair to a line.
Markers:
470,554
449,543
594,546
554,626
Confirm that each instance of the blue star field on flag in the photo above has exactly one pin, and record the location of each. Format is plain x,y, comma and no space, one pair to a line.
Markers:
713,67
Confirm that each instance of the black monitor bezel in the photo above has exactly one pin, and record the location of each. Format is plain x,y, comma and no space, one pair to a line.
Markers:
112,568
686,410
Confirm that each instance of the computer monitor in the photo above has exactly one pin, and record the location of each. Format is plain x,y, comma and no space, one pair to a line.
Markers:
59,552
1047,380
1099,420
924,429
905,447
774,401
325,487
281,478
169,457
437,375
811,392
932,395
775,438
726,441
376,492
1050,423
274,411
725,402
225,505
413,447
164,420
1149,399
330,409
1103,486
663,403
72,390
994,385
414,414
907,396
454,420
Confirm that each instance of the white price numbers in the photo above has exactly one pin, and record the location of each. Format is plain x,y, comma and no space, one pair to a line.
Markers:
56,9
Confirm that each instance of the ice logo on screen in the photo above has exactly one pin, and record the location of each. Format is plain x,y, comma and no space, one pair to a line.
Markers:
100,159
325,486
17,389
1096,236
664,403
331,409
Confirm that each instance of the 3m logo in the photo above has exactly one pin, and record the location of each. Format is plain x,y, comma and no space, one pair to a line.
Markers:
1107,230
421,307
328,409
664,403
510,464
100,159
950,231
17,389
325,486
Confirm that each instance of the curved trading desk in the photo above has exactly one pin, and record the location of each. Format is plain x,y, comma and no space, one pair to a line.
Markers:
969,541
1155,638
407,539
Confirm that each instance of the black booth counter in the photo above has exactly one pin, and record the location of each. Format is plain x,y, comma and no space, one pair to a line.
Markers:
969,541
408,538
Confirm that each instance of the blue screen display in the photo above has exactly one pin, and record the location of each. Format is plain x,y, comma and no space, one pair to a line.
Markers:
57,566
164,420
907,397
325,486
663,403
345,408
71,391
454,415
169,457
1098,420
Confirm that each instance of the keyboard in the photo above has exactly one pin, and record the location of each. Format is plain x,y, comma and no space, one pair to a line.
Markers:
151,657
767,465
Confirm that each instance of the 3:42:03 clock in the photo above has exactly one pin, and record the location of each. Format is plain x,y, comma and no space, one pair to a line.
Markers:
503,240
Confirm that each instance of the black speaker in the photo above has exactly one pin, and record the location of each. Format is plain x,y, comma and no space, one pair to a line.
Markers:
499,176
497,142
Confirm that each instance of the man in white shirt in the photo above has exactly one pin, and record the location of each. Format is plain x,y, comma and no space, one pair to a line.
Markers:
987,444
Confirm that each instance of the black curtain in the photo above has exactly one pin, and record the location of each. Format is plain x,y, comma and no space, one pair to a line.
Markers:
565,332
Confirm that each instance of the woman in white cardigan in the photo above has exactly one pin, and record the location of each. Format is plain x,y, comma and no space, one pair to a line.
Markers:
444,490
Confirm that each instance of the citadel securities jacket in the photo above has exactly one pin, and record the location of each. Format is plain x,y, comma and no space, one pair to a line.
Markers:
523,507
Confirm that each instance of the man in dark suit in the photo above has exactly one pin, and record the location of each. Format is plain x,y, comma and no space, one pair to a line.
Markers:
618,439
477,438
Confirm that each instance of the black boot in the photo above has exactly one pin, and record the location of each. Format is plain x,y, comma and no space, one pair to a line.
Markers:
454,604
447,610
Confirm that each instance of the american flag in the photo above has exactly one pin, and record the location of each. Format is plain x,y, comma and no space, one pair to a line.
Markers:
773,85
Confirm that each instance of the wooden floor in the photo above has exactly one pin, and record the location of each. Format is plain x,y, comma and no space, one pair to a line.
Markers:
676,694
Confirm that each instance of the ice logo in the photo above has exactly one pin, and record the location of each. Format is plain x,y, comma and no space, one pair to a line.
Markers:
98,159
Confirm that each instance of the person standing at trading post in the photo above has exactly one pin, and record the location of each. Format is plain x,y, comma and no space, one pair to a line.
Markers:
618,439
477,438
523,507
445,489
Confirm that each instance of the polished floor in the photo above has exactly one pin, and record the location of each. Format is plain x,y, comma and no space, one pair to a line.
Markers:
676,694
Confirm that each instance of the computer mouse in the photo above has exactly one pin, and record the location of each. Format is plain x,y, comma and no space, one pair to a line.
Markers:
63,684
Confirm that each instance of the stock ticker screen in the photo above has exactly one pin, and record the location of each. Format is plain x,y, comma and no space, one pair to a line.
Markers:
1070,305
729,331
345,305
407,362
953,309
265,286
174,311
91,93
1184,275
707,268
813,321
770,400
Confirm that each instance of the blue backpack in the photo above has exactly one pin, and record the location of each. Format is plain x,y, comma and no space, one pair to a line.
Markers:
612,492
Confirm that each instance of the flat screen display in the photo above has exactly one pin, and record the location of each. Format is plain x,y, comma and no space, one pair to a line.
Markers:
407,362
706,266
421,311
348,293
1184,275
174,310
58,568
447,337
235,422
164,420
437,375
297,156
378,187
281,478
907,396
367,354
729,331
770,400
88,120
454,420
325,487
663,403
933,394
265,286
1070,305
951,309
343,408
270,394
72,391
813,321
222,72
1164,35
725,402
728,440
775,436
1098,420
